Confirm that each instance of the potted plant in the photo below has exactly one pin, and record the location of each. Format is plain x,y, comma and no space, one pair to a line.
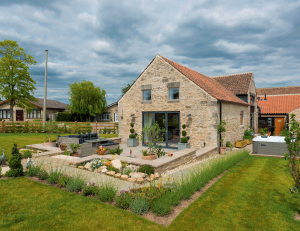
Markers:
63,146
101,150
132,141
152,135
267,132
262,132
221,131
51,128
74,148
184,140
147,156
229,146
248,135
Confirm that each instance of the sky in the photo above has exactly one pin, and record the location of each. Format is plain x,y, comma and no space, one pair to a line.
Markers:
111,42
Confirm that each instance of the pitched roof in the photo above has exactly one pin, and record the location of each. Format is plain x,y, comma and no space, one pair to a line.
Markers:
279,104
278,90
112,104
53,104
236,83
212,87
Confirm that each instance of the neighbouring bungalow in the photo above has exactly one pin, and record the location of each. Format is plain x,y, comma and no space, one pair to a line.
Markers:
276,105
110,114
172,95
20,114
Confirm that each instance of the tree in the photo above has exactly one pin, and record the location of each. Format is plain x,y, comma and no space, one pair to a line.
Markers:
125,89
86,99
16,85
292,139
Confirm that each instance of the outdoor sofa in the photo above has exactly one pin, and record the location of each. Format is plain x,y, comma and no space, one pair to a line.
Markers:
89,143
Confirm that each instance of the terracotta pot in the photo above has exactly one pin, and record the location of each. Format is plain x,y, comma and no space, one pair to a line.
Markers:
151,157
170,154
222,150
75,154
62,148
50,144
269,133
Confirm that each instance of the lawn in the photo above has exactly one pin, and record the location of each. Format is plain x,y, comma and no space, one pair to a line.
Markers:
21,139
253,195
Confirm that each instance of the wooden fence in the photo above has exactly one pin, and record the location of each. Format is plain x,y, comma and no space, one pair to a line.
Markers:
72,127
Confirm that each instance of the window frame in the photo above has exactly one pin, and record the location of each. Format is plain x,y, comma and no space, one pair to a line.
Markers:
5,112
242,118
35,114
104,116
150,95
172,88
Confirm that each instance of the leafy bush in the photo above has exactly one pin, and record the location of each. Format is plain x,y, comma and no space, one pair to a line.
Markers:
132,136
90,189
131,130
247,135
27,154
63,179
162,205
123,200
14,163
75,184
183,126
126,171
184,139
42,175
65,116
159,151
111,168
117,151
67,153
183,133
107,192
148,169
96,163
139,205
229,144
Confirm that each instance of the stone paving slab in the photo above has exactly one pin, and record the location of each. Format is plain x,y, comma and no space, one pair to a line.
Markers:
4,170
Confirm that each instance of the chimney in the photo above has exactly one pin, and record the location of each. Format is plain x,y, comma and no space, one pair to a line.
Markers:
265,96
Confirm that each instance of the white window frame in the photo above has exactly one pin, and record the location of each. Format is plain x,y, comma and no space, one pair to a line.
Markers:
104,116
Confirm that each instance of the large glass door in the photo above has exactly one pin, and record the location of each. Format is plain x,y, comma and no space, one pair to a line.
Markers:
170,121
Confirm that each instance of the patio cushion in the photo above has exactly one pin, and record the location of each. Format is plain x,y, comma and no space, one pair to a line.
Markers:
75,136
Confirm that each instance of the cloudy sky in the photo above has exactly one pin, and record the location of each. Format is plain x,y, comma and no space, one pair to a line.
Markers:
111,42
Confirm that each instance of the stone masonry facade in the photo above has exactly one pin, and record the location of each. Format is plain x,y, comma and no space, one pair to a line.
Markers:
159,76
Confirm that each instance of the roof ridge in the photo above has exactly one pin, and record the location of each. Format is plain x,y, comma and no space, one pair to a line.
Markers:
232,74
276,87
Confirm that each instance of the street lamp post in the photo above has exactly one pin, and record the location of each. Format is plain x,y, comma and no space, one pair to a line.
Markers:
45,90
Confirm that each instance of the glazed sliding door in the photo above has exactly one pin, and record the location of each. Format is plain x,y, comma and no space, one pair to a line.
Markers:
160,118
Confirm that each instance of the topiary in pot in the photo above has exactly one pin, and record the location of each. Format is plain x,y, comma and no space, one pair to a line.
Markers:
132,141
14,163
184,139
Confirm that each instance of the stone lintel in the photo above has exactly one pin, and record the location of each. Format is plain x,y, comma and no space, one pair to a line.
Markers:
173,84
173,101
146,87
146,102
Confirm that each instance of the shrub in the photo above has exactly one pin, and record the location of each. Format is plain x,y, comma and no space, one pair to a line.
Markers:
131,130
139,205
148,169
67,153
132,136
96,163
131,125
27,154
183,133
33,170
111,168
107,192
14,163
89,189
123,200
126,171
42,175
159,151
163,204
54,175
184,139
229,144
248,134
63,179
75,184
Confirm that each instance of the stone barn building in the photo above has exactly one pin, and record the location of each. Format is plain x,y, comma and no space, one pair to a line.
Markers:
171,95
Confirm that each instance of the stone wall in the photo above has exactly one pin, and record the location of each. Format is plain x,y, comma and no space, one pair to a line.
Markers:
252,90
231,115
201,126
297,113
113,109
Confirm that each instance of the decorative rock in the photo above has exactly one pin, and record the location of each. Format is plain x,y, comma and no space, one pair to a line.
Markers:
137,175
104,170
133,167
156,175
80,167
87,166
111,173
118,175
116,164
140,180
132,180
102,167
124,177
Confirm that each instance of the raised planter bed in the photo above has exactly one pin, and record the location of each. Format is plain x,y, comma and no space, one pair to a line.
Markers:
241,143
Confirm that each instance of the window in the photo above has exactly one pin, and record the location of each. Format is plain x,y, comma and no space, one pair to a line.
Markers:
5,114
36,113
104,116
147,95
242,118
174,93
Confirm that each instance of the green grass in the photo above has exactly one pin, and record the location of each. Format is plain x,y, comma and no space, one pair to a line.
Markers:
253,195
29,205
21,139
